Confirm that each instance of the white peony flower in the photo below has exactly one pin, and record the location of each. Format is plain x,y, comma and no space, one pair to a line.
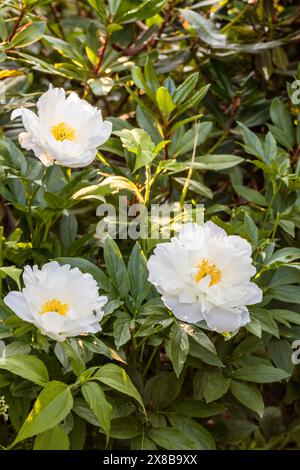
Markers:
66,131
61,301
203,274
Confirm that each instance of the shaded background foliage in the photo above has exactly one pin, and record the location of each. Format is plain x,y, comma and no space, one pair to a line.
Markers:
220,74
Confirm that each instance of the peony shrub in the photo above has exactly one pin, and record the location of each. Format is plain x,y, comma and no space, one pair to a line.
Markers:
149,225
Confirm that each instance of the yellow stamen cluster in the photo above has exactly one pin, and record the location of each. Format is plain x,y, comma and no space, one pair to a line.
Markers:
63,132
56,306
208,269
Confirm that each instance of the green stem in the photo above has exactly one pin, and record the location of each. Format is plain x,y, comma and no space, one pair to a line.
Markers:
237,18
275,226
148,184
150,361
218,143
275,191
1,254
190,172
30,198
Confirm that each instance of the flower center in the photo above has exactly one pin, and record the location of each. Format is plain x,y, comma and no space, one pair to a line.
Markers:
208,269
63,132
56,306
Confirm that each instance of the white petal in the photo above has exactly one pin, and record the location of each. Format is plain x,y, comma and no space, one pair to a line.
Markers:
101,134
17,303
46,159
51,323
79,161
53,266
245,317
30,122
240,244
188,231
50,105
214,229
16,113
254,294
26,141
222,320
190,313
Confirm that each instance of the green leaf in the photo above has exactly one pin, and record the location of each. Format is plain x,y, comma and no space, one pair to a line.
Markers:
171,439
101,86
78,433
13,155
138,275
82,409
99,7
142,442
116,267
202,132
137,77
27,367
216,385
52,405
204,354
116,378
135,139
266,321
251,228
270,147
286,294
248,396
196,98
145,9
251,195
217,162
177,348
198,408
164,389
260,374
30,34
283,315
194,430
140,102
127,427
108,186
121,331
143,158
206,162
150,78
285,255
97,346
13,272
199,336
53,439
95,397
71,349
282,119
280,351
186,88
196,187
254,327
234,430
68,228
253,145
114,6
145,121
3,29
164,100
205,28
